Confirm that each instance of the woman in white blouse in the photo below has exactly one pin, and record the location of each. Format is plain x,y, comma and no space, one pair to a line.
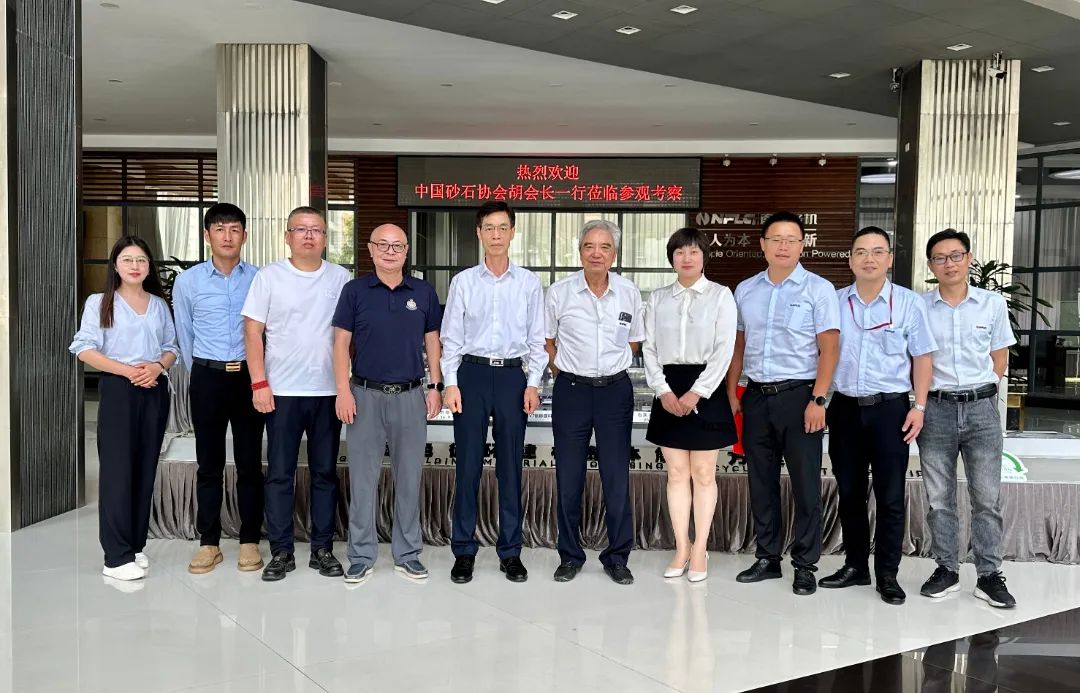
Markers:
127,333
689,339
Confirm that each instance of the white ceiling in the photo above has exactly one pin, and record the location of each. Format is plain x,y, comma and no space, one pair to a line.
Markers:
390,73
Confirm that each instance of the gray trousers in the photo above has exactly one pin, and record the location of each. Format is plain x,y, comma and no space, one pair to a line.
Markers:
972,430
400,421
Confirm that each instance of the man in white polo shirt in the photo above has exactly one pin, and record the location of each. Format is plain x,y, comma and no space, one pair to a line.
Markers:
290,305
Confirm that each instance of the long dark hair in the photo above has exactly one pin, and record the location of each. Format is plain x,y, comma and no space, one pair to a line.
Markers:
151,284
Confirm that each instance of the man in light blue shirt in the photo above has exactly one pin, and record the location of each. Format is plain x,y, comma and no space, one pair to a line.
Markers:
973,332
492,329
207,300
885,345
787,342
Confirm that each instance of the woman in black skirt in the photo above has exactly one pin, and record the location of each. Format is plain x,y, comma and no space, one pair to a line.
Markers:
689,339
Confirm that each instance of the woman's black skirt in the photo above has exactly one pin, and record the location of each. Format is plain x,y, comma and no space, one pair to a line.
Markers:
711,428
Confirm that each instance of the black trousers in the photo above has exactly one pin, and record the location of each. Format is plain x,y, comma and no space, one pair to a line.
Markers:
774,429
860,439
496,393
130,429
285,427
577,411
220,399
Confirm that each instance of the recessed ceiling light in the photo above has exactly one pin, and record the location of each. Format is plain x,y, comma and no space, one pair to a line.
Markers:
378,125
564,14
839,75
684,9
878,178
850,124
958,47
99,120
556,84
1062,123
116,81
110,5
628,30
493,2
335,84
1042,68
668,86
753,124
1069,174
447,84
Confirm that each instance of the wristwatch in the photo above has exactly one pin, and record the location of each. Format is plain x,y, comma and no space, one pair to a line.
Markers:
919,407
438,387
820,401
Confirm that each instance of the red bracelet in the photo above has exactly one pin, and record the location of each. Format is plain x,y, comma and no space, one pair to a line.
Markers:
259,385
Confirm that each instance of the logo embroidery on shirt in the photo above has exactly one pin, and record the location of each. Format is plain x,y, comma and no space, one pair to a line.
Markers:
625,317
410,304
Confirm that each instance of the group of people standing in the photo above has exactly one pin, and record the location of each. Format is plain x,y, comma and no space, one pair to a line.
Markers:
298,347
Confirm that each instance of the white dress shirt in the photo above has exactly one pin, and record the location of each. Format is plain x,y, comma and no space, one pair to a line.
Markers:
689,325
593,334
494,317
965,336
133,338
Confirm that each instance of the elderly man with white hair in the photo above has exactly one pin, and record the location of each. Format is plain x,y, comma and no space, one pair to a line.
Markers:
594,325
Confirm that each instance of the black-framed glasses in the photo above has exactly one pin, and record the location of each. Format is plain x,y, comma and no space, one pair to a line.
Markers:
876,253
307,231
384,247
955,258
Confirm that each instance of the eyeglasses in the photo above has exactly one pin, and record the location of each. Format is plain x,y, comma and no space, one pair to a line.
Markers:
132,261
876,253
384,247
955,258
309,231
501,228
783,242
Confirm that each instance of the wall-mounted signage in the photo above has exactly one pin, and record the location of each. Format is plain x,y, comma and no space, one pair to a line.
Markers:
550,183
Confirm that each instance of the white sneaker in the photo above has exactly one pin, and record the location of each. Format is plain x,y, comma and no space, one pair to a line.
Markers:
142,560
128,571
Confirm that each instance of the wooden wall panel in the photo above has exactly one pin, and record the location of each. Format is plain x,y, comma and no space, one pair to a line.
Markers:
376,195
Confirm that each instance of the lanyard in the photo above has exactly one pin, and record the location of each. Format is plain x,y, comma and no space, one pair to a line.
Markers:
851,307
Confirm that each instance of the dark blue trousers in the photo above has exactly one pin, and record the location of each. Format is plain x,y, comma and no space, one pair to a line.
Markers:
577,411
285,426
498,393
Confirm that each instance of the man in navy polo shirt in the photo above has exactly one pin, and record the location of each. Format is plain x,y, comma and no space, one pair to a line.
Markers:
387,318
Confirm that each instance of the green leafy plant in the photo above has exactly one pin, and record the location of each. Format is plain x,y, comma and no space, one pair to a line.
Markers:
168,274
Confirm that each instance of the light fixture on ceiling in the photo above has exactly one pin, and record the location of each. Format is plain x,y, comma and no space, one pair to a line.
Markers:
1043,68
116,81
1067,174
377,125
98,120
110,5
684,9
669,86
839,75
658,125
556,84
493,2
851,124
957,47
628,30
564,14
753,124
447,84
878,178
1062,123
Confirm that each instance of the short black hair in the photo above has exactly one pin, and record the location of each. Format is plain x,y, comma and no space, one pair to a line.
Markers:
685,237
224,213
871,230
304,209
946,235
783,216
493,207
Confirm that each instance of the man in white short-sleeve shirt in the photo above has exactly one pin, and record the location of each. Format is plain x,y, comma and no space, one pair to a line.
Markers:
289,340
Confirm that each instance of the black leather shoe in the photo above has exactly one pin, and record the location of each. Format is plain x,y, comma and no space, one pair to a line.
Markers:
619,574
845,577
514,569
804,582
462,570
890,590
763,569
323,560
566,571
279,566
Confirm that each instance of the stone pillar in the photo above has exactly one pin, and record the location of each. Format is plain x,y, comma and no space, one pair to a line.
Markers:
956,154
41,409
271,125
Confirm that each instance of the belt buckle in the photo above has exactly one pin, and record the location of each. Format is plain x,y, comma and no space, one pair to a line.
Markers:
867,401
495,362
769,390
391,389
232,367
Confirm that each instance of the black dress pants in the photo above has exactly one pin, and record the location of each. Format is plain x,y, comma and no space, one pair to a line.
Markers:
130,429
220,399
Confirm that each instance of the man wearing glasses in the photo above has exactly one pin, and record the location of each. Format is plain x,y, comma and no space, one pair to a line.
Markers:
388,321
885,347
493,326
289,307
788,342
973,333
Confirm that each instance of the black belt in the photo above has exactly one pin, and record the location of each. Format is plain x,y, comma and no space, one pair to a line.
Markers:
602,381
497,363
776,388
871,400
227,366
964,395
386,388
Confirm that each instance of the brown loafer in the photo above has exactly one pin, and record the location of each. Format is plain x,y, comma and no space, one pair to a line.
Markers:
250,558
205,559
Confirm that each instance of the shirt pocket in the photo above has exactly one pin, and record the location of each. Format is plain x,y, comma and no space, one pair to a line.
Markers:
981,336
798,317
894,342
